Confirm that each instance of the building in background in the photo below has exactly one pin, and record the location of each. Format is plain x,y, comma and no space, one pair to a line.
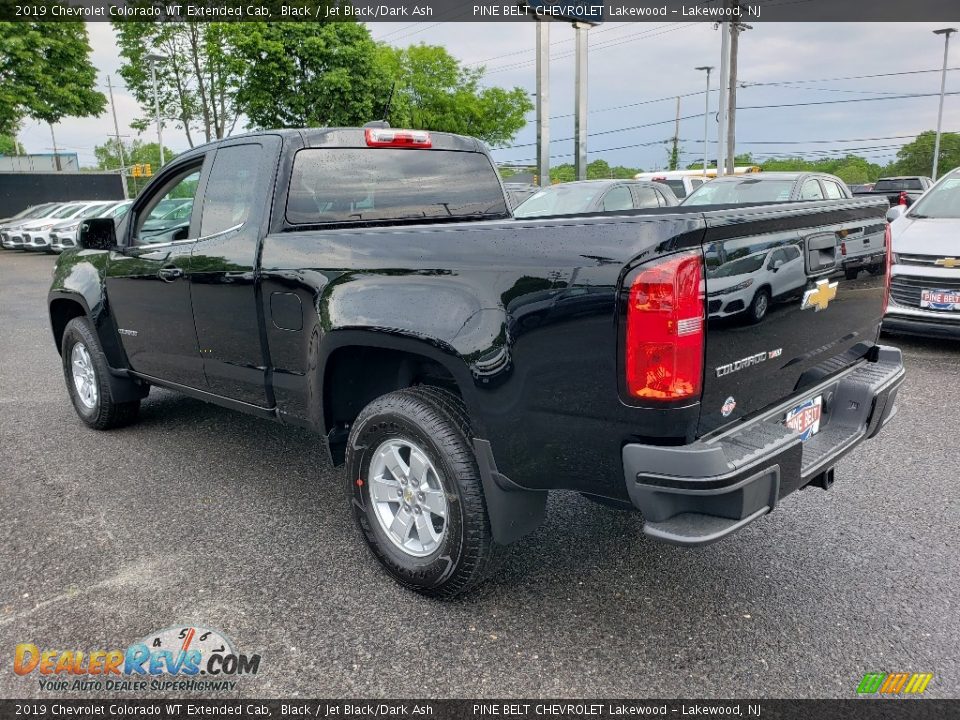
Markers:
40,162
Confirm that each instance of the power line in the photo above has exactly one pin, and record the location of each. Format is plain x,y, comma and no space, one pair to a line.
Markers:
598,48
751,107
593,33
748,85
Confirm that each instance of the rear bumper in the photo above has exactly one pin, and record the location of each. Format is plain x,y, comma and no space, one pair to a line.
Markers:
700,493
868,260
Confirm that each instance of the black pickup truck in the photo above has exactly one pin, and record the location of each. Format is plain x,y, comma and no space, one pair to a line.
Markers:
898,190
371,284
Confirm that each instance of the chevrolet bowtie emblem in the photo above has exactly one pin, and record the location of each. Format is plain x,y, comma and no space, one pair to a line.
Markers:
948,263
820,296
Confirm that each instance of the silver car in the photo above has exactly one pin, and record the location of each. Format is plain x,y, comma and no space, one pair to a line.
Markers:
925,280
64,235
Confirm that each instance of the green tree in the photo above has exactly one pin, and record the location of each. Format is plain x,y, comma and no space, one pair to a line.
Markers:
137,152
434,91
46,74
10,146
916,158
196,79
308,74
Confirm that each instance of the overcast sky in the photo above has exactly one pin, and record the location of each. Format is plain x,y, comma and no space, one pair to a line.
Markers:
633,63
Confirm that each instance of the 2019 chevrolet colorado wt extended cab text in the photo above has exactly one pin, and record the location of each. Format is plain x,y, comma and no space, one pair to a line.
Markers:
372,285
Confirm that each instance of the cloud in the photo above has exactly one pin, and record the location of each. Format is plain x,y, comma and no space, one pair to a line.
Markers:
636,62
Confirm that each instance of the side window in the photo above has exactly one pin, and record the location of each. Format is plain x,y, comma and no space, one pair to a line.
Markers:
834,192
646,198
791,253
230,191
811,191
617,198
166,216
777,256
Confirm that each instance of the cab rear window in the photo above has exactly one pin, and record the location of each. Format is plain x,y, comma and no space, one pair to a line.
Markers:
382,185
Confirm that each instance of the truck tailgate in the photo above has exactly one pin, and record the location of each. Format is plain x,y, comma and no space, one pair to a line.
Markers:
782,316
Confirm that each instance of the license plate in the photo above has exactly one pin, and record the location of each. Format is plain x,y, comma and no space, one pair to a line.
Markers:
805,419
940,299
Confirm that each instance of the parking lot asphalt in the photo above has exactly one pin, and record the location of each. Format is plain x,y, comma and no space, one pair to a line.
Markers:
201,516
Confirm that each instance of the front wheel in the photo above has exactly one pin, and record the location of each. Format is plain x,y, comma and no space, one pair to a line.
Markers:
416,492
759,307
86,372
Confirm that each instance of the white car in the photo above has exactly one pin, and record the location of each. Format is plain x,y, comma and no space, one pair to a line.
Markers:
925,275
36,235
10,235
749,284
64,235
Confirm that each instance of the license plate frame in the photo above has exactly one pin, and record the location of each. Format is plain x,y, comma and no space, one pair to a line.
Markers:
940,299
805,418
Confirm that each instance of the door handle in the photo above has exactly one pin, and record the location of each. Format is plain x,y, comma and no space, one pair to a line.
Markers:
169,273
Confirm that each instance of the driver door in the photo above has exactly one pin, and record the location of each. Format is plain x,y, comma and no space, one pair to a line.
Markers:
147,284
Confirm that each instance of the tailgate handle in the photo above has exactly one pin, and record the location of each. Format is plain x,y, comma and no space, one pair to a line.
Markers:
821,253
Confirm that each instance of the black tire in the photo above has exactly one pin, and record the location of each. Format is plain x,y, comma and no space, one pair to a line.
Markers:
851,273
437,423
759,307
105,413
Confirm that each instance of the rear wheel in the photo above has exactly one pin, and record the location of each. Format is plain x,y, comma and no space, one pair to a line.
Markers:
416,492
86,372
851,273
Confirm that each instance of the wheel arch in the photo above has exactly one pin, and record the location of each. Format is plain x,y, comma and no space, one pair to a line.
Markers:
64,307
358,366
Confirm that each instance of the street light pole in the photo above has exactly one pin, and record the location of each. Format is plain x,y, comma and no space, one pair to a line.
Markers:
543,103
946,32
706,120
724,84
154,58
580,100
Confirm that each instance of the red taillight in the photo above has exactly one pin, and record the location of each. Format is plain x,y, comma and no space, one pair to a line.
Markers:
843,249
664,339
388,137
904,200
888,241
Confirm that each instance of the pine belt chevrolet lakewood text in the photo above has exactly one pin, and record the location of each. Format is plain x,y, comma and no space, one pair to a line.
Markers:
695,364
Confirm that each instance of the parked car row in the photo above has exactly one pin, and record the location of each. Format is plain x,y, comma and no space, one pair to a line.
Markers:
52,227
925,291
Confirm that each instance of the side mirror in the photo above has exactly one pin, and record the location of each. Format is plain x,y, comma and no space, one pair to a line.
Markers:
777,264
895,212
97,234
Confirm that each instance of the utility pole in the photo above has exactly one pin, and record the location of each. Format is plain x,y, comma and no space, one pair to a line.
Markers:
543,103
580,100
56,154
116,128
706,120
946,32
675,155
736,27
724,85
153,58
